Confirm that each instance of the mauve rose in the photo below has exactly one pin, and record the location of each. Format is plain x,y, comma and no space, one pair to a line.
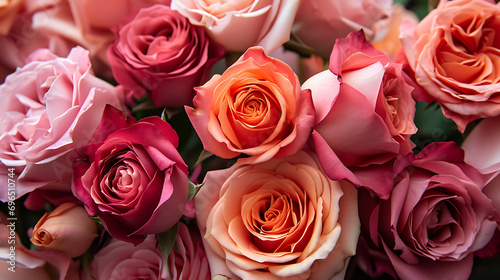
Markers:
282,218
132,177
256,107
454,53
118,259
436,218
363,94
238,25
51,106
159,51
68,229
320,22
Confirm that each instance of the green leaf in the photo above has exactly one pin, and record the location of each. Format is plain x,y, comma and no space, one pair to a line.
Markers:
167,241
96,219
203,156
193,189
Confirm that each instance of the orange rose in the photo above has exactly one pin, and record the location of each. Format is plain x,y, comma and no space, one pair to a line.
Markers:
68,229
256,107
280,218
455,54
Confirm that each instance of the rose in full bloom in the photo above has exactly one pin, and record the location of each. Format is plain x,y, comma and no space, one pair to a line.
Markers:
282,218
435,219
119,259
256,108
50,107
363,95
68,229
132,177
320,22
454,53
238,25
159,51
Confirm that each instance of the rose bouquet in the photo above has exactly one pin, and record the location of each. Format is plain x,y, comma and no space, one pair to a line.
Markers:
274,139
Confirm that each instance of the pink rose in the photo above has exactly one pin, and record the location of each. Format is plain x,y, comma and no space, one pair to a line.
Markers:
256,108
51,106
320,22
435,219
136,185
160,51
363,94
278,219
119,259
68,229
238,25
453,52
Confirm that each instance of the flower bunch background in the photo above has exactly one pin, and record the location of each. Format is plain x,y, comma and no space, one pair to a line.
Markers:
274,139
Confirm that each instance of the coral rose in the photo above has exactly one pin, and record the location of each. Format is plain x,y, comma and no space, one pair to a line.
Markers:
435,219
159,51
238,25
136,185
256,108
454,53
280,218
68,229
51,106
362,95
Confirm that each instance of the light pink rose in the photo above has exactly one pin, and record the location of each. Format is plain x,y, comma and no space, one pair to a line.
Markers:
256,107
454,53
118,259
68,229
364,112
282,218
51,106
132,177
436,218
320,22
238,25
158,51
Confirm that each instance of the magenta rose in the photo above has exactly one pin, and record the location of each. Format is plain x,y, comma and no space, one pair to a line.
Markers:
364,112
160,51
119,259
132,176
50,107
435,219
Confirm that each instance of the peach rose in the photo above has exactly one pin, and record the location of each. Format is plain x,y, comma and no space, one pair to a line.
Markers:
320,22
8,13
68,229
454,53
256,107
280,218
238,25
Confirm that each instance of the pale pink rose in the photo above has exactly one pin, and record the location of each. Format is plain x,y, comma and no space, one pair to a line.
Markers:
19,263
8,12
118,259
436,218
68,229
256,107
51,106
304,67
453,53
364,112
238,25
279,219
320,22
158,51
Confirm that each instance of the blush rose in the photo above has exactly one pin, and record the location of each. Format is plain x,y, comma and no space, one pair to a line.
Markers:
280,218
51,107
256,108
454,54
159,51
435,219
136,185
238,25
362,94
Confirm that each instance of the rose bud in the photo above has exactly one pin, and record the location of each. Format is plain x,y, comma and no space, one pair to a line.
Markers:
68,228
